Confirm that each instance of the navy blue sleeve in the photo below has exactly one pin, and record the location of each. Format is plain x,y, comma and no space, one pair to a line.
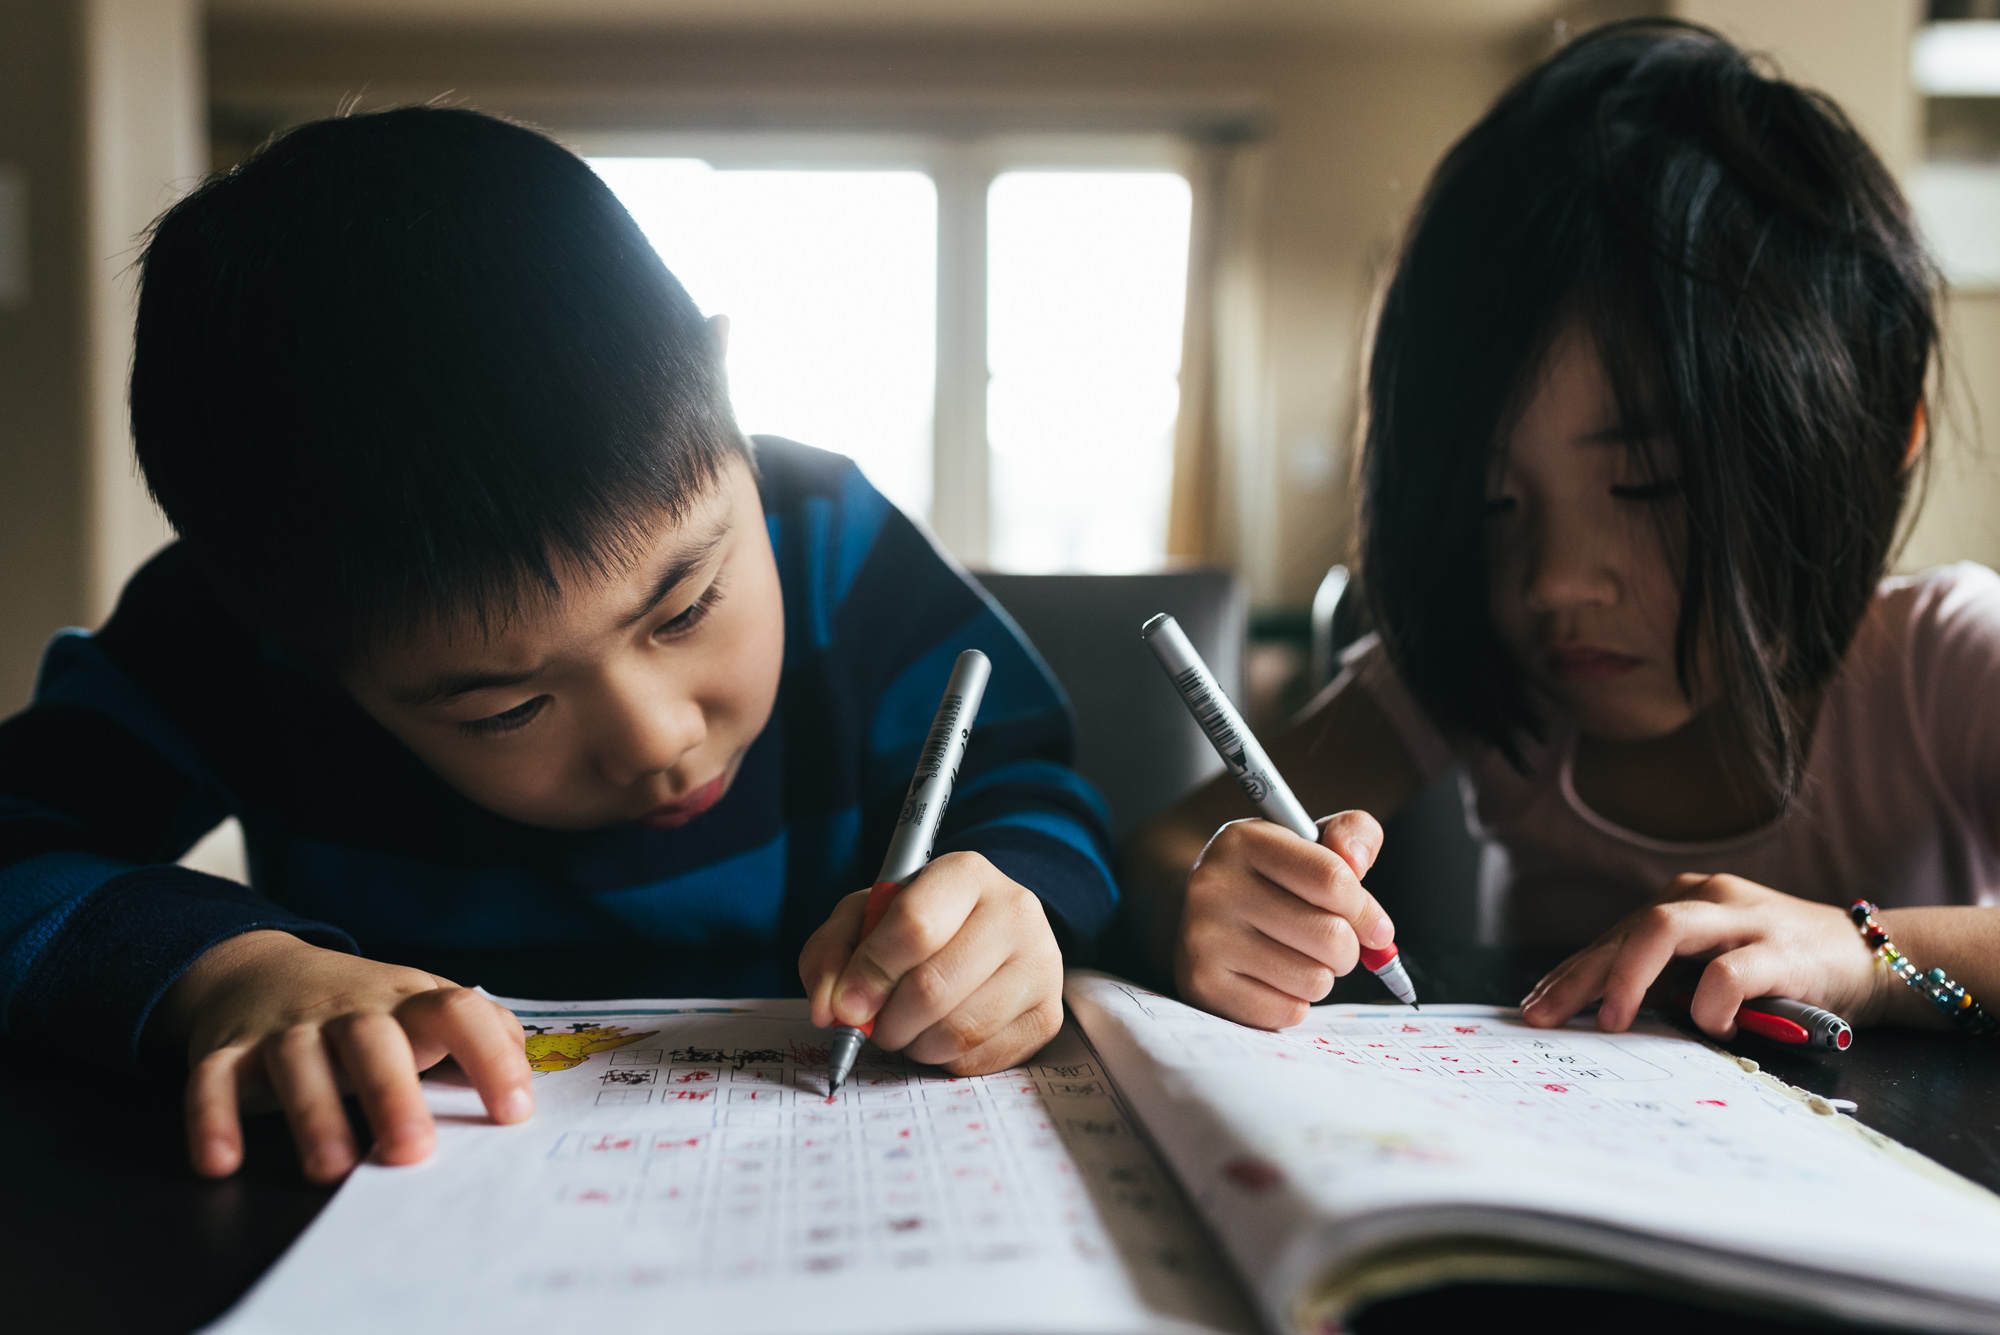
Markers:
98,795
899,613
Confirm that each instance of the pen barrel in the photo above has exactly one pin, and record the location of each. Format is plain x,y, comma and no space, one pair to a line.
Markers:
937,769
1827,1030
1241,755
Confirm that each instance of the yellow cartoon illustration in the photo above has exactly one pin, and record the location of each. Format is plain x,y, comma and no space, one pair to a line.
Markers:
558,1052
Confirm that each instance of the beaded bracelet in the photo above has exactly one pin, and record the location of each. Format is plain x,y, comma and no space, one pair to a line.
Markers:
1950,998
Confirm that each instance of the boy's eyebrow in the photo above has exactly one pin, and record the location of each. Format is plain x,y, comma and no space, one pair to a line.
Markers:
451,685
684,561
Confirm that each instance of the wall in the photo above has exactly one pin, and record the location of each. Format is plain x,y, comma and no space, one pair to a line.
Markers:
100,109
1858,52
1352,126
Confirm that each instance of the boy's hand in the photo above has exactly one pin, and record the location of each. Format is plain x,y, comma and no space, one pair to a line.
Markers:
1756,941
271,1021
963,972
1272,920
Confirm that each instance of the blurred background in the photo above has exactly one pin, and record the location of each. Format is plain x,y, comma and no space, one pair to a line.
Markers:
1082,284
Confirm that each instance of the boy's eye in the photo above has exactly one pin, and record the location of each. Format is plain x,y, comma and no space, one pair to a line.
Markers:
1649,491
517,717
1498,505
693,614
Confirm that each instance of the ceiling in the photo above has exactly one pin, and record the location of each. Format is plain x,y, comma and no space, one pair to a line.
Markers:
1469,17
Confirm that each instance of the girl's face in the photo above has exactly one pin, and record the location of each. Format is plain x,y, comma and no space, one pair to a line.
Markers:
1583,545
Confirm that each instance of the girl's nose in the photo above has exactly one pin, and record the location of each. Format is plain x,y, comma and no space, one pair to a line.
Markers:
1568,568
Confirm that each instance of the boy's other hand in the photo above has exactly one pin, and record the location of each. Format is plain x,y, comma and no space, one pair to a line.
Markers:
1755,941
963,972
1272,920
270,1021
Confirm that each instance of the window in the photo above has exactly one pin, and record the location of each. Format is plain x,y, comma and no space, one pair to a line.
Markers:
992,330
829,280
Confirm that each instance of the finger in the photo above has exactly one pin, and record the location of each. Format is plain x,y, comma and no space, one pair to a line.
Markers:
1019,985
1319,876
1688,927
980,949
302,1076
827,951
1218,952
927,914
214,1125
1021,1038
1248,1000
1356,836
1290,921
382,1072
1573,984
1731,979
485,1038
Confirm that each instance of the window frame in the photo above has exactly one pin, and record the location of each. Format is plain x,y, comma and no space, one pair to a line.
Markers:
963,169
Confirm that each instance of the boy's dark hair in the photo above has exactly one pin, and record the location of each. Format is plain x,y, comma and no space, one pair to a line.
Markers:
398,367
1750,275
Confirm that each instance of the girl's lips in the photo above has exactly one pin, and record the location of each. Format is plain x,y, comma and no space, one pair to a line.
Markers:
675,814
1585,662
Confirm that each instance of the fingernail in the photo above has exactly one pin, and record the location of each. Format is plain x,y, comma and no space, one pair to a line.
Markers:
853,1002
515,1106
216,1152
1384,933
1360,856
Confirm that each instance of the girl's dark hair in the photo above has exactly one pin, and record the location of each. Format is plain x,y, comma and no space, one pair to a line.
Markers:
401,366
1750,274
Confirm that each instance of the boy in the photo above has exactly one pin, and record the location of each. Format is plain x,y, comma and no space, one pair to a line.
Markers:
493,630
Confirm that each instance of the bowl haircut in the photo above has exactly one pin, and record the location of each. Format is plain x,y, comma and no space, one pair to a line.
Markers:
1765,312
401,368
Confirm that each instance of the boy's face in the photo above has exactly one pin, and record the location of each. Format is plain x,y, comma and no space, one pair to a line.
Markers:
632,697
1585,592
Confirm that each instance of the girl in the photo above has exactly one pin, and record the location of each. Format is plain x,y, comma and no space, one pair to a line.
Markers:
1644,402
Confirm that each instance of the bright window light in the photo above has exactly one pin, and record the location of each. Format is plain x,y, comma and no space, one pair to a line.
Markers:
1958,59
829,280
1086,273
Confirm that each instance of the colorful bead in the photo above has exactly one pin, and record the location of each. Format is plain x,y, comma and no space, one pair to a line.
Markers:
1949,997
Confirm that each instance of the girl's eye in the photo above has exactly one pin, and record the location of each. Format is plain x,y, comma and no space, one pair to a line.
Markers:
695,613
520,716
1498,505
1650,491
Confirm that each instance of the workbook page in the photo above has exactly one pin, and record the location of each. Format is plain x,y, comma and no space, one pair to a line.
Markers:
685,1169
1373,1127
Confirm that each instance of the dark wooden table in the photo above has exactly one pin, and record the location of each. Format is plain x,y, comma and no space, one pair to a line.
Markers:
103,1228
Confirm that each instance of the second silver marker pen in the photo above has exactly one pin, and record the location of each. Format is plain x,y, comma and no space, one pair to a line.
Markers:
1247,763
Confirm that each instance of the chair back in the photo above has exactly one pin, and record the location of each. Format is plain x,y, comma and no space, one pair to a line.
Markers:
1135,740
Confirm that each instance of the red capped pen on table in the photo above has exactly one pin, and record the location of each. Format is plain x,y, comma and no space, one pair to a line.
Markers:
1247,763
1783,1020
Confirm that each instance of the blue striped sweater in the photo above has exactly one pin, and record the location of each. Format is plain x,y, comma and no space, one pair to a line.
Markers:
144,736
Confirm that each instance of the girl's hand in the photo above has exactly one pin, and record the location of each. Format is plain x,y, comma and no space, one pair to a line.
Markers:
1272,920
962,972
1758,943
273,1022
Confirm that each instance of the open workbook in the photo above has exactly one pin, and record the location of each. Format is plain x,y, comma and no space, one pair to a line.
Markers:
1155,1169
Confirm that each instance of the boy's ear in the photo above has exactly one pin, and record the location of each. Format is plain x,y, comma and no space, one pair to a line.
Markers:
1918,429
718,329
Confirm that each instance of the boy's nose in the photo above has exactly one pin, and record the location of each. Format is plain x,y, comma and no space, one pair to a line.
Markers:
648,735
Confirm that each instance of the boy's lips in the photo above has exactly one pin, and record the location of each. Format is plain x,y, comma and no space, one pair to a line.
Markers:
674,814
1587,662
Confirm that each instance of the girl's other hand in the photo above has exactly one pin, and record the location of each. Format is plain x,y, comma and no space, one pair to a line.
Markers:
1271,920
1756,941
